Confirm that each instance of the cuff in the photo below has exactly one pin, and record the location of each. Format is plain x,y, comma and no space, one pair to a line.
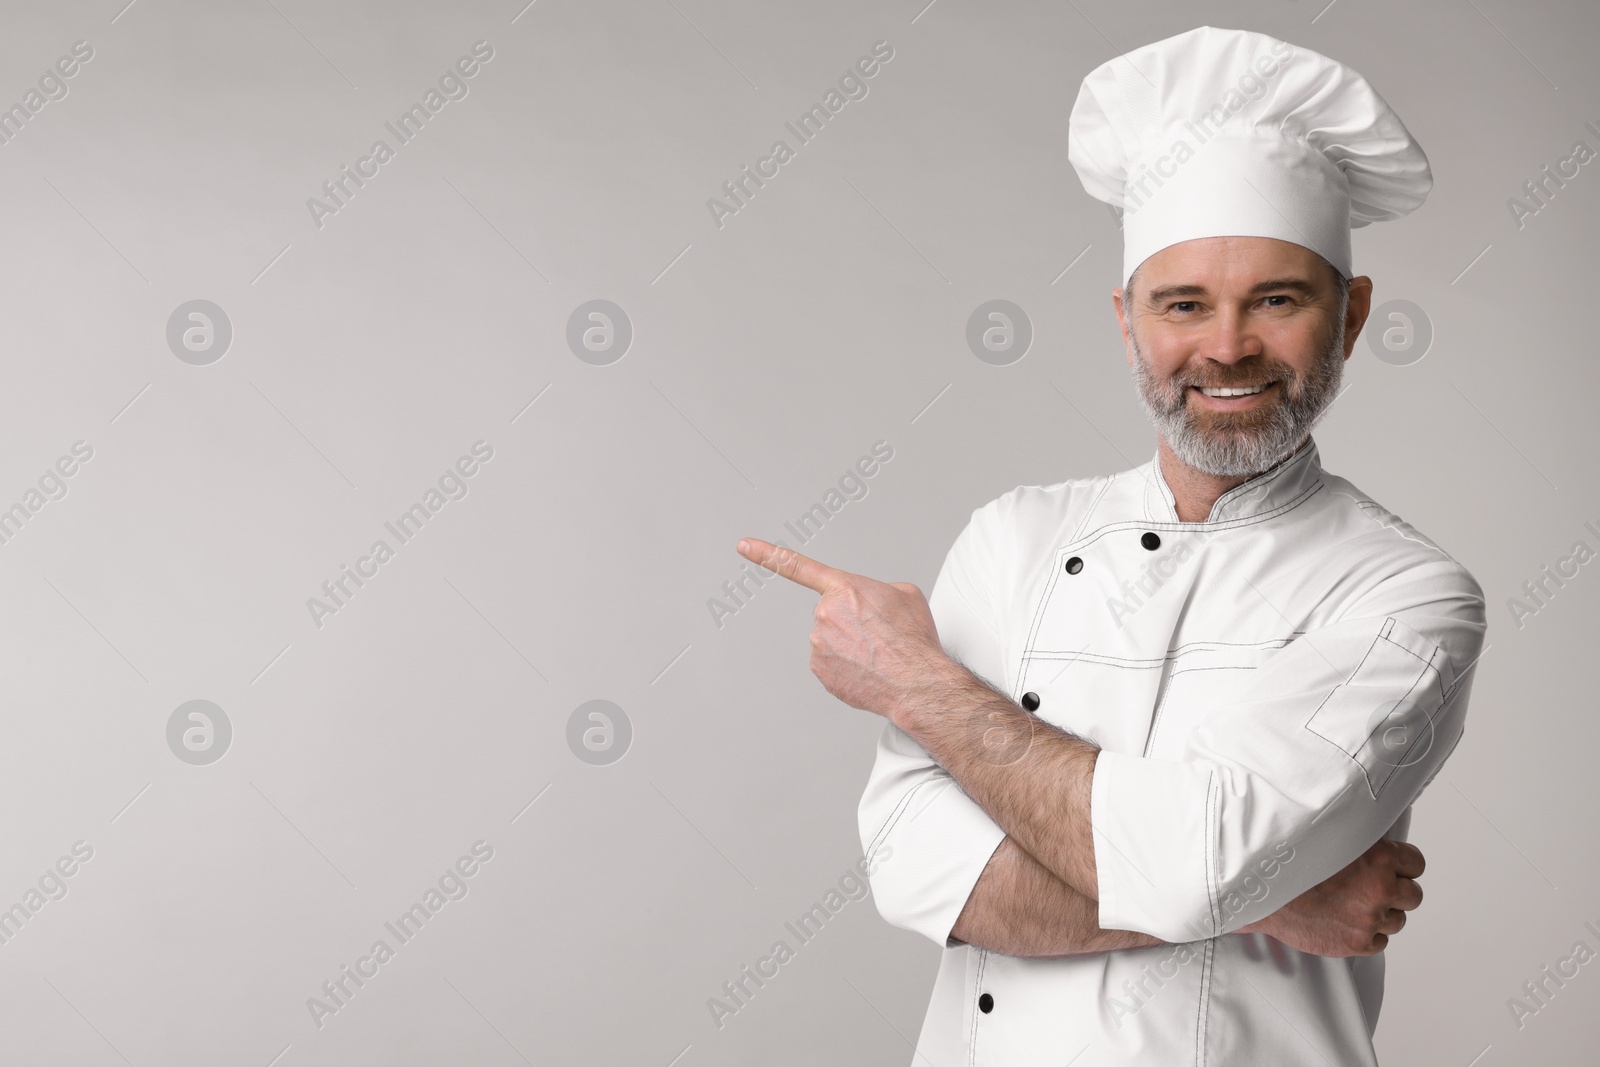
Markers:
930,857
1153,821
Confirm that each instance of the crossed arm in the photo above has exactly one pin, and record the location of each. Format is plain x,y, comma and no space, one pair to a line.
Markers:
1020,907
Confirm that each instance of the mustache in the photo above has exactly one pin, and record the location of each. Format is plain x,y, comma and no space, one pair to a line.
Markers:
1262,373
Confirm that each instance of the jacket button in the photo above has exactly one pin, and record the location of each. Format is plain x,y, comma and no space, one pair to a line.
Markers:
1150,541
1031,702
1074,565
986,1004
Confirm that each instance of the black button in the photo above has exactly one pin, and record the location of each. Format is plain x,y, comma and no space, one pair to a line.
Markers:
1030,701
1074,565
986,1004
1150,541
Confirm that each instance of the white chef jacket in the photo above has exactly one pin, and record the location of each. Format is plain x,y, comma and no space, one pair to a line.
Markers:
1270,688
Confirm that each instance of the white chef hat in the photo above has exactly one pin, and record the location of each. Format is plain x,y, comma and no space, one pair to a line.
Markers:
1217,133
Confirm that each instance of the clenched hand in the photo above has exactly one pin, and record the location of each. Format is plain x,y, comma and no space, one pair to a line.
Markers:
1354,912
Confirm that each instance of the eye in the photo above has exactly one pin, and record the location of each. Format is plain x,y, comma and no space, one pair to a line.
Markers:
1183,307
1279,296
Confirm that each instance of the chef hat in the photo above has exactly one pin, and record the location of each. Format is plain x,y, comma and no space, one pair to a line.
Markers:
1218,133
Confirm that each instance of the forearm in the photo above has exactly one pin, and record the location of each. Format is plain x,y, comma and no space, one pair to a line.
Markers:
1018,908
1032,779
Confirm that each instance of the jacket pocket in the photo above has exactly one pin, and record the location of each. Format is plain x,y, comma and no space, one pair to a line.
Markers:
1382,716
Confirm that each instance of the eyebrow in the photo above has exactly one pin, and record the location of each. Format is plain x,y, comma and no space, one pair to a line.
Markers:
1274,285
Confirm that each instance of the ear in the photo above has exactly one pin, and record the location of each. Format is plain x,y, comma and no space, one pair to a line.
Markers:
1124,317
1355,315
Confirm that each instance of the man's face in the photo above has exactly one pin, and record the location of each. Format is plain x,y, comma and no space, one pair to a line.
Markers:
1238,312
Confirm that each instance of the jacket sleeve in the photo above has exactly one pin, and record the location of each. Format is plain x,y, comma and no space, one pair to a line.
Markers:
1328,743
933,841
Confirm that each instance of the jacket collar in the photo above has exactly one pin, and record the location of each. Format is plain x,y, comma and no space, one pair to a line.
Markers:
1264,492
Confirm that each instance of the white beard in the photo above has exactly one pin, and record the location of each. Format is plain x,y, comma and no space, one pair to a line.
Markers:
1242,443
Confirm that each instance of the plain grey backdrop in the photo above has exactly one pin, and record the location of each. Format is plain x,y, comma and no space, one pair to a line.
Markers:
375,341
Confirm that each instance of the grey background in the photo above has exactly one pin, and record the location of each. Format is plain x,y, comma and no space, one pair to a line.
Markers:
768,355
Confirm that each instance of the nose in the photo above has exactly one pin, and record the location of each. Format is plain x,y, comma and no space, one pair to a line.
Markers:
1230,337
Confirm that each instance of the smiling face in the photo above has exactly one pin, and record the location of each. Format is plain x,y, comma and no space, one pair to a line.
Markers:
1238,346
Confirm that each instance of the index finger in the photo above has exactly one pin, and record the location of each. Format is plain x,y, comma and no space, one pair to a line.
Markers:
791,564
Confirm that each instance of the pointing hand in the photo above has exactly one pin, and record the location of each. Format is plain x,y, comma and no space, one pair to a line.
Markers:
874,643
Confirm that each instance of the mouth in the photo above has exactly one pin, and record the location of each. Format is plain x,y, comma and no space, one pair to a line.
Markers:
1232,397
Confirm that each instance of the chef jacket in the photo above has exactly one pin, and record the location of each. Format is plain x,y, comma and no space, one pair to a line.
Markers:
1271,689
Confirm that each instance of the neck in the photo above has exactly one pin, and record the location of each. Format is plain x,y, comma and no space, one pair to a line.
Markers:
1194,492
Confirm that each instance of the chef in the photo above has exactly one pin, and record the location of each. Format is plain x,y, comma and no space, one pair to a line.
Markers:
1154,738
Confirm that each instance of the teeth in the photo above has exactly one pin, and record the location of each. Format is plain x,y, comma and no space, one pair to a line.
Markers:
1243,391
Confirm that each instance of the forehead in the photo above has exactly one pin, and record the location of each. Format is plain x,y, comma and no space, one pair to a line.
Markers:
1231,264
